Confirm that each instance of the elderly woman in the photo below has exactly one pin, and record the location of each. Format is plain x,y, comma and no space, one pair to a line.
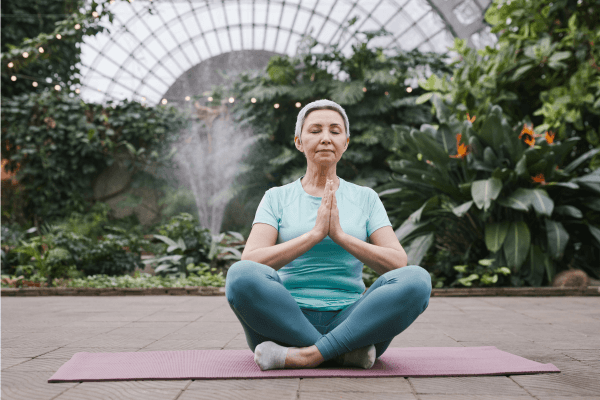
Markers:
299,282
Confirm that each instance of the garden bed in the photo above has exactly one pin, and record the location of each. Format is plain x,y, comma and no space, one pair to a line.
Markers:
220,291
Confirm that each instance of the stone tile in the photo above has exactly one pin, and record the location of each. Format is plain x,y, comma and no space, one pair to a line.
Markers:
473,397
25,352
69,352
239,394
31,385
530,351
171,316
110,393
276,385
574,343
50,365
468,385
581,355
101,341
348,385
9,362
172,345
355,396
575,379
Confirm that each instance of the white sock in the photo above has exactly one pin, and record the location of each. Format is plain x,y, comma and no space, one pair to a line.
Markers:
363,357
270,355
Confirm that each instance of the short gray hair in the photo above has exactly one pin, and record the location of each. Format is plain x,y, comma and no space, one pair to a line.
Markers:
320,105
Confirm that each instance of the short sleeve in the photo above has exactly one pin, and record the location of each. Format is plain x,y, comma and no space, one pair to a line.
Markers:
265,213
378,217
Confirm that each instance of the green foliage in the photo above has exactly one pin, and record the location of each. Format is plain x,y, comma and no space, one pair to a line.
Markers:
31,25
476,201
273,160
543,70
59,145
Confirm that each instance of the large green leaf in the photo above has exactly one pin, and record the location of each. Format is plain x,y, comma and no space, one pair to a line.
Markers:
538,261
461,210
516,244
430,204
541,202
558,237
410,228
484,191
495,233
418,248
581,159
518,200
347,93
595,232
591,181
430,149
491,132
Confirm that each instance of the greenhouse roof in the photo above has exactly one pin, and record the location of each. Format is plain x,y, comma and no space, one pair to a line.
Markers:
150,44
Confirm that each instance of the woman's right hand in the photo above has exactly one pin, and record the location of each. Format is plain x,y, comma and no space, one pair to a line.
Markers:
323,214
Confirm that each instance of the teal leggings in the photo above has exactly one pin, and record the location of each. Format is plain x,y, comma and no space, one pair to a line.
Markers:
268,312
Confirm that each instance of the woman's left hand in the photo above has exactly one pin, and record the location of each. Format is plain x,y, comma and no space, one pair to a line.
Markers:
335,229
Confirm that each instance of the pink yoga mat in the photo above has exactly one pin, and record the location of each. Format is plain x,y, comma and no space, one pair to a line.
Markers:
235,364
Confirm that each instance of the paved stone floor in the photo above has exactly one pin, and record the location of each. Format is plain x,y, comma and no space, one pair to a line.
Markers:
39,334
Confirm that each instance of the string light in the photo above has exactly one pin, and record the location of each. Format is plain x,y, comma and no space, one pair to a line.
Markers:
41,49
187,98
164,101
10,64
25,54
253,100
57,87
364,89
210,99
13,78
409,89
77,26
58,36
298,105
35,84
95,14
276,105
386,93
231,99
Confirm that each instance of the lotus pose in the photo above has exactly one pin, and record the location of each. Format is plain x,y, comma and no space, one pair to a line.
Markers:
298,290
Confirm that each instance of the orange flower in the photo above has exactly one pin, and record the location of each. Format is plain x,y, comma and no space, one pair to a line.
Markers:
539,178
530,138
461,148
471,120
550,137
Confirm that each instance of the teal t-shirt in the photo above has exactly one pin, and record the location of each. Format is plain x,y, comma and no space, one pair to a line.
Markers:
326,277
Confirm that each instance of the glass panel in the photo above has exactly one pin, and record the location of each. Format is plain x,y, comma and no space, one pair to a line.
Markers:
270,42
224,39
260,14
233,14
259,35
246,9
190,24
274,14
281,41
205,21
218,16
211,39
236,39
200,44
415,9
176,67
288,16
327,33
301,21
247,37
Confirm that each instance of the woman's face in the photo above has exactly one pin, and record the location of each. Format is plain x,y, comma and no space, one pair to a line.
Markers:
323,137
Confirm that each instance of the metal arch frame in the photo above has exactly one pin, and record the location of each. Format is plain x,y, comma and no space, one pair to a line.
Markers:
193,10
166,26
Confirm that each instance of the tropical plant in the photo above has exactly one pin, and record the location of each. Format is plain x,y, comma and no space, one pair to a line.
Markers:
475,200
371,85
59,145
543,70
189,248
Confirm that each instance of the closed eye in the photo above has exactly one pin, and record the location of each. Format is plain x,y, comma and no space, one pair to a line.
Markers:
319,131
